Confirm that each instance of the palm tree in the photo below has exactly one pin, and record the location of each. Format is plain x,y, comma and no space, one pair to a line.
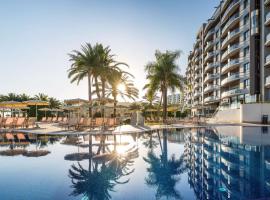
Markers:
41,97
119,77
83,66
54,103
163,74
164,173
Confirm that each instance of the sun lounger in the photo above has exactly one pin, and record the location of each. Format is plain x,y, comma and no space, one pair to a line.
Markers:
49,120
59,119
20,122
98,122
54,119
20,136
87,123
31,122
9,136
72,122
43,119
9,123
112,122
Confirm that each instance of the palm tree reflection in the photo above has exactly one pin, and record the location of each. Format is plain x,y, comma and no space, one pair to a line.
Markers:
102,175
164,173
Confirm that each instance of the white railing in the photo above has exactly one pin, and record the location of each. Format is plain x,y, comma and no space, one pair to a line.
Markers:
210,87
267,59
230,78
233,92
230,64
267,17
211,98
229,8
268,38
230,35
232,18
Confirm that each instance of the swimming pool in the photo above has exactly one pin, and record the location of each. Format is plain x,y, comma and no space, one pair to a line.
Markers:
195,163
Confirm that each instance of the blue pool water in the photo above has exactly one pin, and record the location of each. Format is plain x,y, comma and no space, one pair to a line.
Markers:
204,163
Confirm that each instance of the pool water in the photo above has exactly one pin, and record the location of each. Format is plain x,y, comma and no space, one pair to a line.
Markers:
205,163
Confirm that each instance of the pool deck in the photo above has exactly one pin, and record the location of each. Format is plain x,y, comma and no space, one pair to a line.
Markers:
54,129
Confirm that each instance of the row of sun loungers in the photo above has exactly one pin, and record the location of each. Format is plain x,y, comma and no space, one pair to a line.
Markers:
52,119
84,123
17,122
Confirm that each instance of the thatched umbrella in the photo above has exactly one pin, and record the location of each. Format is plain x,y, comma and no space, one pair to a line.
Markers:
36,103
12,105
45,110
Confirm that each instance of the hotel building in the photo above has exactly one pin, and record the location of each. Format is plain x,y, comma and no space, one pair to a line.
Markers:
230,60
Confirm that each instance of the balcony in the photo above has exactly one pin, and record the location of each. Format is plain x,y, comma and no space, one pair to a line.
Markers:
197,67
267,82
233,92
267,40
267,19
230,51
209,45
209,66
209,56
211,99
231,36
210,33
196,60
230,9
267,61
197,76
231,78
210,88
197,85
210,77
231,22
197,94
230,65
266,2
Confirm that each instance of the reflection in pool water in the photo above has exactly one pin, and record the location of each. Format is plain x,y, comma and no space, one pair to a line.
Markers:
205,163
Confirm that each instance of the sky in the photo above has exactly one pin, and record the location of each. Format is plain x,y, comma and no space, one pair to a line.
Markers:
36,37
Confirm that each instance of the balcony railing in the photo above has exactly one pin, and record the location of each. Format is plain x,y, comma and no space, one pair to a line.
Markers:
210,32
267,19
197,94
233,3
230,64
230,35
230,50
210,77
230,21
209,55
267,40
208,45
211,99
211,88
209,66
197,76
233,92
231,78
267,61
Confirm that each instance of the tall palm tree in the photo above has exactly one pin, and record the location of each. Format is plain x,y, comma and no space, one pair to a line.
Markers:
163,74
41,97
119,77
83,66
54,103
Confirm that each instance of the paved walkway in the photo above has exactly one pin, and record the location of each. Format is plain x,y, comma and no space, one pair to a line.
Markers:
123,129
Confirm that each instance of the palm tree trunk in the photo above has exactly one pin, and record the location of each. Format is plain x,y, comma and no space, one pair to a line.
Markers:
164,93
103,95
114,106
97,87
90,94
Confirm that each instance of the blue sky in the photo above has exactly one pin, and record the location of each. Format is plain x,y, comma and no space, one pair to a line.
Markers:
36,37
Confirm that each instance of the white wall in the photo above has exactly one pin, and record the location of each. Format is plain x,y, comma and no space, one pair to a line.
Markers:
227,116
254,112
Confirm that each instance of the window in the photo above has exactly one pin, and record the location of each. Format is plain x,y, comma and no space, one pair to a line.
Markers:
245,4
246,51
246,18
246,35
246,67
246,83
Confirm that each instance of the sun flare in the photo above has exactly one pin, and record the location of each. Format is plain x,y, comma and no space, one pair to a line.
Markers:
121,87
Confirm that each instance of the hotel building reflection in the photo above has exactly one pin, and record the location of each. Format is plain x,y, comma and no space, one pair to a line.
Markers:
229,163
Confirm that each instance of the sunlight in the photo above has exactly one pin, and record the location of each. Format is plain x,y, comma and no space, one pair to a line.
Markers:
121,87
